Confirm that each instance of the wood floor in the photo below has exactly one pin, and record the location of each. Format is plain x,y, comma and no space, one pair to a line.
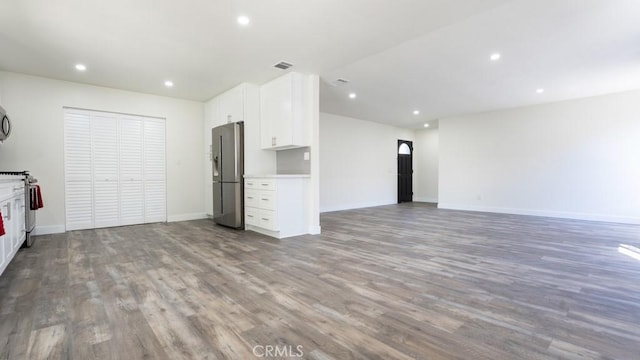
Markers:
394,282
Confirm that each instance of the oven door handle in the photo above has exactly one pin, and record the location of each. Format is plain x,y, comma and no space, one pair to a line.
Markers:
7,214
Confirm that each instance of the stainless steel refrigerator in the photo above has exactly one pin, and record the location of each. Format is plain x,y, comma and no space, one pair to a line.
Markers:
227,150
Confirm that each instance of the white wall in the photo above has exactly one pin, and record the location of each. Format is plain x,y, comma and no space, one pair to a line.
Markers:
358,162
425,165
575,159
35,106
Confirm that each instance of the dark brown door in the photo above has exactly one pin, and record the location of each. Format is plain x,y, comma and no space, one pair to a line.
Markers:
405,171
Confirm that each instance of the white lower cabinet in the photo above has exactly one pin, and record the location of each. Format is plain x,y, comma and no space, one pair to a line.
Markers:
276,205
12,207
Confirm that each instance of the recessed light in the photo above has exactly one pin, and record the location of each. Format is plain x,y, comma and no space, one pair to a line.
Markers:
416,112
81,67
352,96
426,125
243,20
495,56
540,91
168,83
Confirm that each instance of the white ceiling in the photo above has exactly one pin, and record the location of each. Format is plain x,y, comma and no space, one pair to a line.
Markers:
400,55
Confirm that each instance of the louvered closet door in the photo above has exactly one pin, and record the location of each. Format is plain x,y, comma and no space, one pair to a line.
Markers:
154,171
78,171
131,166
104,138
114,169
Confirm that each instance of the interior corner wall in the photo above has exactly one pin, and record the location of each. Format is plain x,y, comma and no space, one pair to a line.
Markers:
425,165
572,159
35,106
358,162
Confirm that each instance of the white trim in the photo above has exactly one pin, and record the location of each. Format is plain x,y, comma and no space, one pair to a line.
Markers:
271,233
314,230
259,230
50,229
356,206
545,213
187,217
425,199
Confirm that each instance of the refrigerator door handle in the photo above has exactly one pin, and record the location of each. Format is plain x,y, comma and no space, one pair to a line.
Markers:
217,158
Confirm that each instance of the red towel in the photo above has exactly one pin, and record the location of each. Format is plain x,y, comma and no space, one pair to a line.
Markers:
36,198
1,224
39,197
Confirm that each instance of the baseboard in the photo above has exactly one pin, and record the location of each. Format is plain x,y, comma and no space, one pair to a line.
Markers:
56,229
355,206
545,213
187,217
49,229
314,230
425,199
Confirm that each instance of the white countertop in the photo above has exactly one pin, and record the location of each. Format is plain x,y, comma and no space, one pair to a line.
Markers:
11,177
275,176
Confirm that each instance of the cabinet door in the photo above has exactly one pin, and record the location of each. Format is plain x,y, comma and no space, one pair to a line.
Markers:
231,106
275,113
18,218
284,113
5,241
234,105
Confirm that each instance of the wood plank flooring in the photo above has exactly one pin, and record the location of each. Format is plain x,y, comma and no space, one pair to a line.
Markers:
404,281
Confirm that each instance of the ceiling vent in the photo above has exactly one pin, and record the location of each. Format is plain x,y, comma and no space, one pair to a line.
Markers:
339,82
283,65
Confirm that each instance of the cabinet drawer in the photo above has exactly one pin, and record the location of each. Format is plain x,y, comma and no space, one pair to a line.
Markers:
266,200
251,198
268,220
251,217
260,184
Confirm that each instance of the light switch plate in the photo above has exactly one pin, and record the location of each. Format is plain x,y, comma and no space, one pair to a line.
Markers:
306,155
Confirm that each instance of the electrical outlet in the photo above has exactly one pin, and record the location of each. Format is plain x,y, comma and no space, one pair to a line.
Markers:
306,155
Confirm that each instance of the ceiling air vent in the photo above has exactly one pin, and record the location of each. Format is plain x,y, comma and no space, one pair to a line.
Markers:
339,82
283,65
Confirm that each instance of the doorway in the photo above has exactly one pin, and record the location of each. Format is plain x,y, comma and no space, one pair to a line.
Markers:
405,171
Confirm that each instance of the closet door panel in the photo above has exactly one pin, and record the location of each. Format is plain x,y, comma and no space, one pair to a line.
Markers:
131,202
104,139
155,171
131,150
78,171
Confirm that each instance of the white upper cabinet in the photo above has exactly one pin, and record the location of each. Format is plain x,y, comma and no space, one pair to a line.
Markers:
231,106
284,113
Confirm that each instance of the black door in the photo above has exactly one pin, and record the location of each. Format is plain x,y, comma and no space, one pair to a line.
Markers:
405,171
